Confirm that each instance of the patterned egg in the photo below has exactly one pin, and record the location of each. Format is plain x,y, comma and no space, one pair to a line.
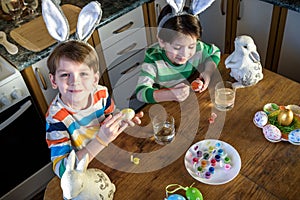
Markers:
193,194
272,133
260,119
294,137
176,197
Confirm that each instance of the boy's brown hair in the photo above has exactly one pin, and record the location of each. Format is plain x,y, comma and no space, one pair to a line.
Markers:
76,51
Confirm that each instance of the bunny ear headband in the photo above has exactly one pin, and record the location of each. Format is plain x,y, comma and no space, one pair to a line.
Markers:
196,7
58,26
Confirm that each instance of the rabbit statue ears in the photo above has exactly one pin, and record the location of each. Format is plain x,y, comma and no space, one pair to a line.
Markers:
195,8
58,25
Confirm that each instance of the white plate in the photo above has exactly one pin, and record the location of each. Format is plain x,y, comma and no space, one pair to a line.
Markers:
220,176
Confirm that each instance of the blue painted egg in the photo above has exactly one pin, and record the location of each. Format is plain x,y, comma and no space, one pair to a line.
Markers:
176,197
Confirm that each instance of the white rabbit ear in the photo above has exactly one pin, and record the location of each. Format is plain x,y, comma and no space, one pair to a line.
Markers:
177,5
198,6
89,17
55,20
71,161
83,163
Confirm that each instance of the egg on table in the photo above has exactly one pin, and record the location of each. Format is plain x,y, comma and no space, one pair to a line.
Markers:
260,119
272,133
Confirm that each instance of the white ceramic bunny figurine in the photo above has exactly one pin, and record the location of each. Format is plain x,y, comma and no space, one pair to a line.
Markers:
244,62
81,183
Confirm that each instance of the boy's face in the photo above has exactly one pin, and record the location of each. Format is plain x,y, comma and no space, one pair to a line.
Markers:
75,82
180,50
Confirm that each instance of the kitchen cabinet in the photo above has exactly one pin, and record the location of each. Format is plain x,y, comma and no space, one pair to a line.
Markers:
42,75
122,48
254,19
214,33
289,60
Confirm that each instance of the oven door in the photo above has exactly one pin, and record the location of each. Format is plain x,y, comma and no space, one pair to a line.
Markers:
25,157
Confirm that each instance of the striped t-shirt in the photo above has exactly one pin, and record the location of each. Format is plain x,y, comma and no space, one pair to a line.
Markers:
158,72
68,129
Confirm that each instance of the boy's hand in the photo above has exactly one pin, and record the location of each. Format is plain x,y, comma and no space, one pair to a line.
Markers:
111,127
180,92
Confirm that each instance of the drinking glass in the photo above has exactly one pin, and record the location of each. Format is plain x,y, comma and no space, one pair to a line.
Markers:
15,9
164,128
31,6
224,96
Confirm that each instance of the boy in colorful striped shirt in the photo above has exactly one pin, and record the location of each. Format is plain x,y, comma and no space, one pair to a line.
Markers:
80,116
177,55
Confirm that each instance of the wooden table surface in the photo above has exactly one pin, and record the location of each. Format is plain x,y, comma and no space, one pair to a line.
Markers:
269,171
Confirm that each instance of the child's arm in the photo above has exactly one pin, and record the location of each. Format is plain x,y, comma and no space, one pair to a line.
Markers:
178,93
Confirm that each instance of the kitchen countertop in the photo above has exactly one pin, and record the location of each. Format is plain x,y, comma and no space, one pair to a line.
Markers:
111,11
24,58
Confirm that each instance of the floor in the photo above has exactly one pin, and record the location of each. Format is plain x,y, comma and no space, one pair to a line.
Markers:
39,196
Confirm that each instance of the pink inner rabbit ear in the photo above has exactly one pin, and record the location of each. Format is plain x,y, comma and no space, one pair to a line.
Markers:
56,22
198,6
89,17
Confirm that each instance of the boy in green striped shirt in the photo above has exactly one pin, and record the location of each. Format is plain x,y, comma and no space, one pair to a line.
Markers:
177,55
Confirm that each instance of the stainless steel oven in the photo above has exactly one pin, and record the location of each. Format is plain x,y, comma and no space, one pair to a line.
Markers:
25,161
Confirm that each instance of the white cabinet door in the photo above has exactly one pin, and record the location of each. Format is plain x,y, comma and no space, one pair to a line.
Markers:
213,23
255,21
289,61
159,5
42,75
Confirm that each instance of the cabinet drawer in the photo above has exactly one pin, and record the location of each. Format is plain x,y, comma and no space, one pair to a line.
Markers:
42,75
121,27
125,48
125,70
124,95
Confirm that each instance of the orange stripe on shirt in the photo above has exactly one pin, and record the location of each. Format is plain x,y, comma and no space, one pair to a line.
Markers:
111,108
99,95
61,115
53,142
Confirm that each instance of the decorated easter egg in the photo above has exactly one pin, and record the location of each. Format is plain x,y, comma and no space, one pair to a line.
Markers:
272,133
285,117
260,119
197,85
193,194
176,197
294,137
128,113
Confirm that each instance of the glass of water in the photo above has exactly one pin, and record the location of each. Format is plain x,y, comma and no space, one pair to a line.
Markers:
164,129
224,96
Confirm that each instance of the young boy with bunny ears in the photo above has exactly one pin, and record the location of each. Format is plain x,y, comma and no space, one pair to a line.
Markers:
80,116
178,54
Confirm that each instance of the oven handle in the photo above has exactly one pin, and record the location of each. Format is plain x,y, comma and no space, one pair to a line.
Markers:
12,118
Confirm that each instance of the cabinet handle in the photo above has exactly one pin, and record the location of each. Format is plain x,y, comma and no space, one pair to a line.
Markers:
127,49
133,67
238,10
123,28
42,79
222,5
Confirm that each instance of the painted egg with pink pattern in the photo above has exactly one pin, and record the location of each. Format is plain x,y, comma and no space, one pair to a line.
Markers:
272,133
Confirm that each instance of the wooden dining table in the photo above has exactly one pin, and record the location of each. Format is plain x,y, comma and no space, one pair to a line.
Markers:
269,171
